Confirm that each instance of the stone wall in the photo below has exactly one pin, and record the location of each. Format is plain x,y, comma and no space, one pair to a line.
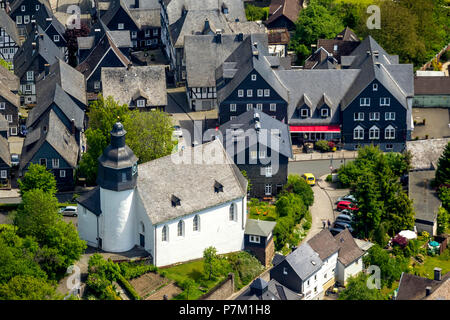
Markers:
222,291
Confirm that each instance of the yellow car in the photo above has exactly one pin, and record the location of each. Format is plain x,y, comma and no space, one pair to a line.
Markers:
309,178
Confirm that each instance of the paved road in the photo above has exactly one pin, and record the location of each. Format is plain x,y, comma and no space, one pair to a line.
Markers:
316,167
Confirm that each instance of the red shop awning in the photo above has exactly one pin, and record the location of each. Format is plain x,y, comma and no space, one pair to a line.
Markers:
330,128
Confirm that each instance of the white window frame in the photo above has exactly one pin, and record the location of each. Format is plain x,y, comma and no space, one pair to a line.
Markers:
165,233
196,223
147,33
62,173
374,116
389,129
266,92
96,84
56,38
259,106
389,116
232,117
268,171
40,162
55,163
268,189
273,107
364,102
232,214
140,103
374,133
249,106
120,26
2,105
37,7
30,76
302,114
18,19
240,93
253,154
22,8
253,77
133,34
249,93
254,239
385,102
180,223
322,112
358,116
260,92
26,19
3,174
155,32
389,146
9,117
262,154
357,133
375,87
233,107
14,131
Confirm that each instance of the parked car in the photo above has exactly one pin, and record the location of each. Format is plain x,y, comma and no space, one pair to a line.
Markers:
335,231
70,211
15,160
177,131
309,178
343,225
346,205
348,212
344,218
348,197
23,130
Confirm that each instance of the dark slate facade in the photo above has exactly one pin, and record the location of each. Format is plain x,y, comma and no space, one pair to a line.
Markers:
9,108
381,116
23,11
5,163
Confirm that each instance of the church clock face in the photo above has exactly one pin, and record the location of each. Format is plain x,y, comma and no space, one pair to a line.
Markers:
135,168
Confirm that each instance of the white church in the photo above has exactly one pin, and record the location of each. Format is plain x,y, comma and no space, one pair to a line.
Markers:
172,208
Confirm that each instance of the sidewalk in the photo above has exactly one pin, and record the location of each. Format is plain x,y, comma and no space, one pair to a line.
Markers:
342,154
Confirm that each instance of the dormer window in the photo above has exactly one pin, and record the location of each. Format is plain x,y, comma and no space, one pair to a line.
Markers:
325,112
120,26
218,187
175,201
375,87
253,77
304,113
140,103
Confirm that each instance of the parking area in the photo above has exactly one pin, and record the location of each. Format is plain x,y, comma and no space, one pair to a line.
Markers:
437,122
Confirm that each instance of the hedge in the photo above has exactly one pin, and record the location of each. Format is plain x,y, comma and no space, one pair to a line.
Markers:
128,287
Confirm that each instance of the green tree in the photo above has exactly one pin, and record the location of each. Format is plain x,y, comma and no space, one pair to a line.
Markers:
59,242
5,64
357,289
188,285
443,167
315,22
210,261
443,220
282,231
292,205
444,195
149,134
299,186
27,288
37,177
254,13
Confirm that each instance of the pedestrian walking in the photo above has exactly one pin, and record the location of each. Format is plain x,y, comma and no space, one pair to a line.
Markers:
329,223
324,224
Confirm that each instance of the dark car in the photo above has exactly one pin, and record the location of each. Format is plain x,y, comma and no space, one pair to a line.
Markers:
335,231
343,225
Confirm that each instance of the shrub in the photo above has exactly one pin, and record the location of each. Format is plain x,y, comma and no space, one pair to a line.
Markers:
128,287
400,241
329,178
245,266
131,270
322,145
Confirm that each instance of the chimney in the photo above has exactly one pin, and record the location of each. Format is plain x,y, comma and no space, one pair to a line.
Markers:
218,36
206,27
42,36
136,4
47,69
427,291
34,45
129,66
437,274
369,53
72,126
240,37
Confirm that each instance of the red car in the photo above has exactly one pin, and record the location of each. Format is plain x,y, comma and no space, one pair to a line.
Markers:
346,205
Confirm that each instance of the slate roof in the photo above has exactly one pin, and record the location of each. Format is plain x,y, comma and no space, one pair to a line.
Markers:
91,201
147,17
344,48
114,7
304,261
243,60
68,78
9,79
235,8
273,290
288,8
200,68
17,3
267,135
4,151
45,19
56,135
52,93
123,84
159,179
247,27
8,95
4,124
442,292
347,35
143,4
431,85
277,258
310,86
9,26
412,287
90,64
425,199
348,249
259,227
45,48
425,153
324,244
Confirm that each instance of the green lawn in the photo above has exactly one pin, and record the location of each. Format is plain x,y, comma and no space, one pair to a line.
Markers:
262,211
190,270
427,268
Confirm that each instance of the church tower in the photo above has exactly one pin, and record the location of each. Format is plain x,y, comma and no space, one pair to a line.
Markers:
117,178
